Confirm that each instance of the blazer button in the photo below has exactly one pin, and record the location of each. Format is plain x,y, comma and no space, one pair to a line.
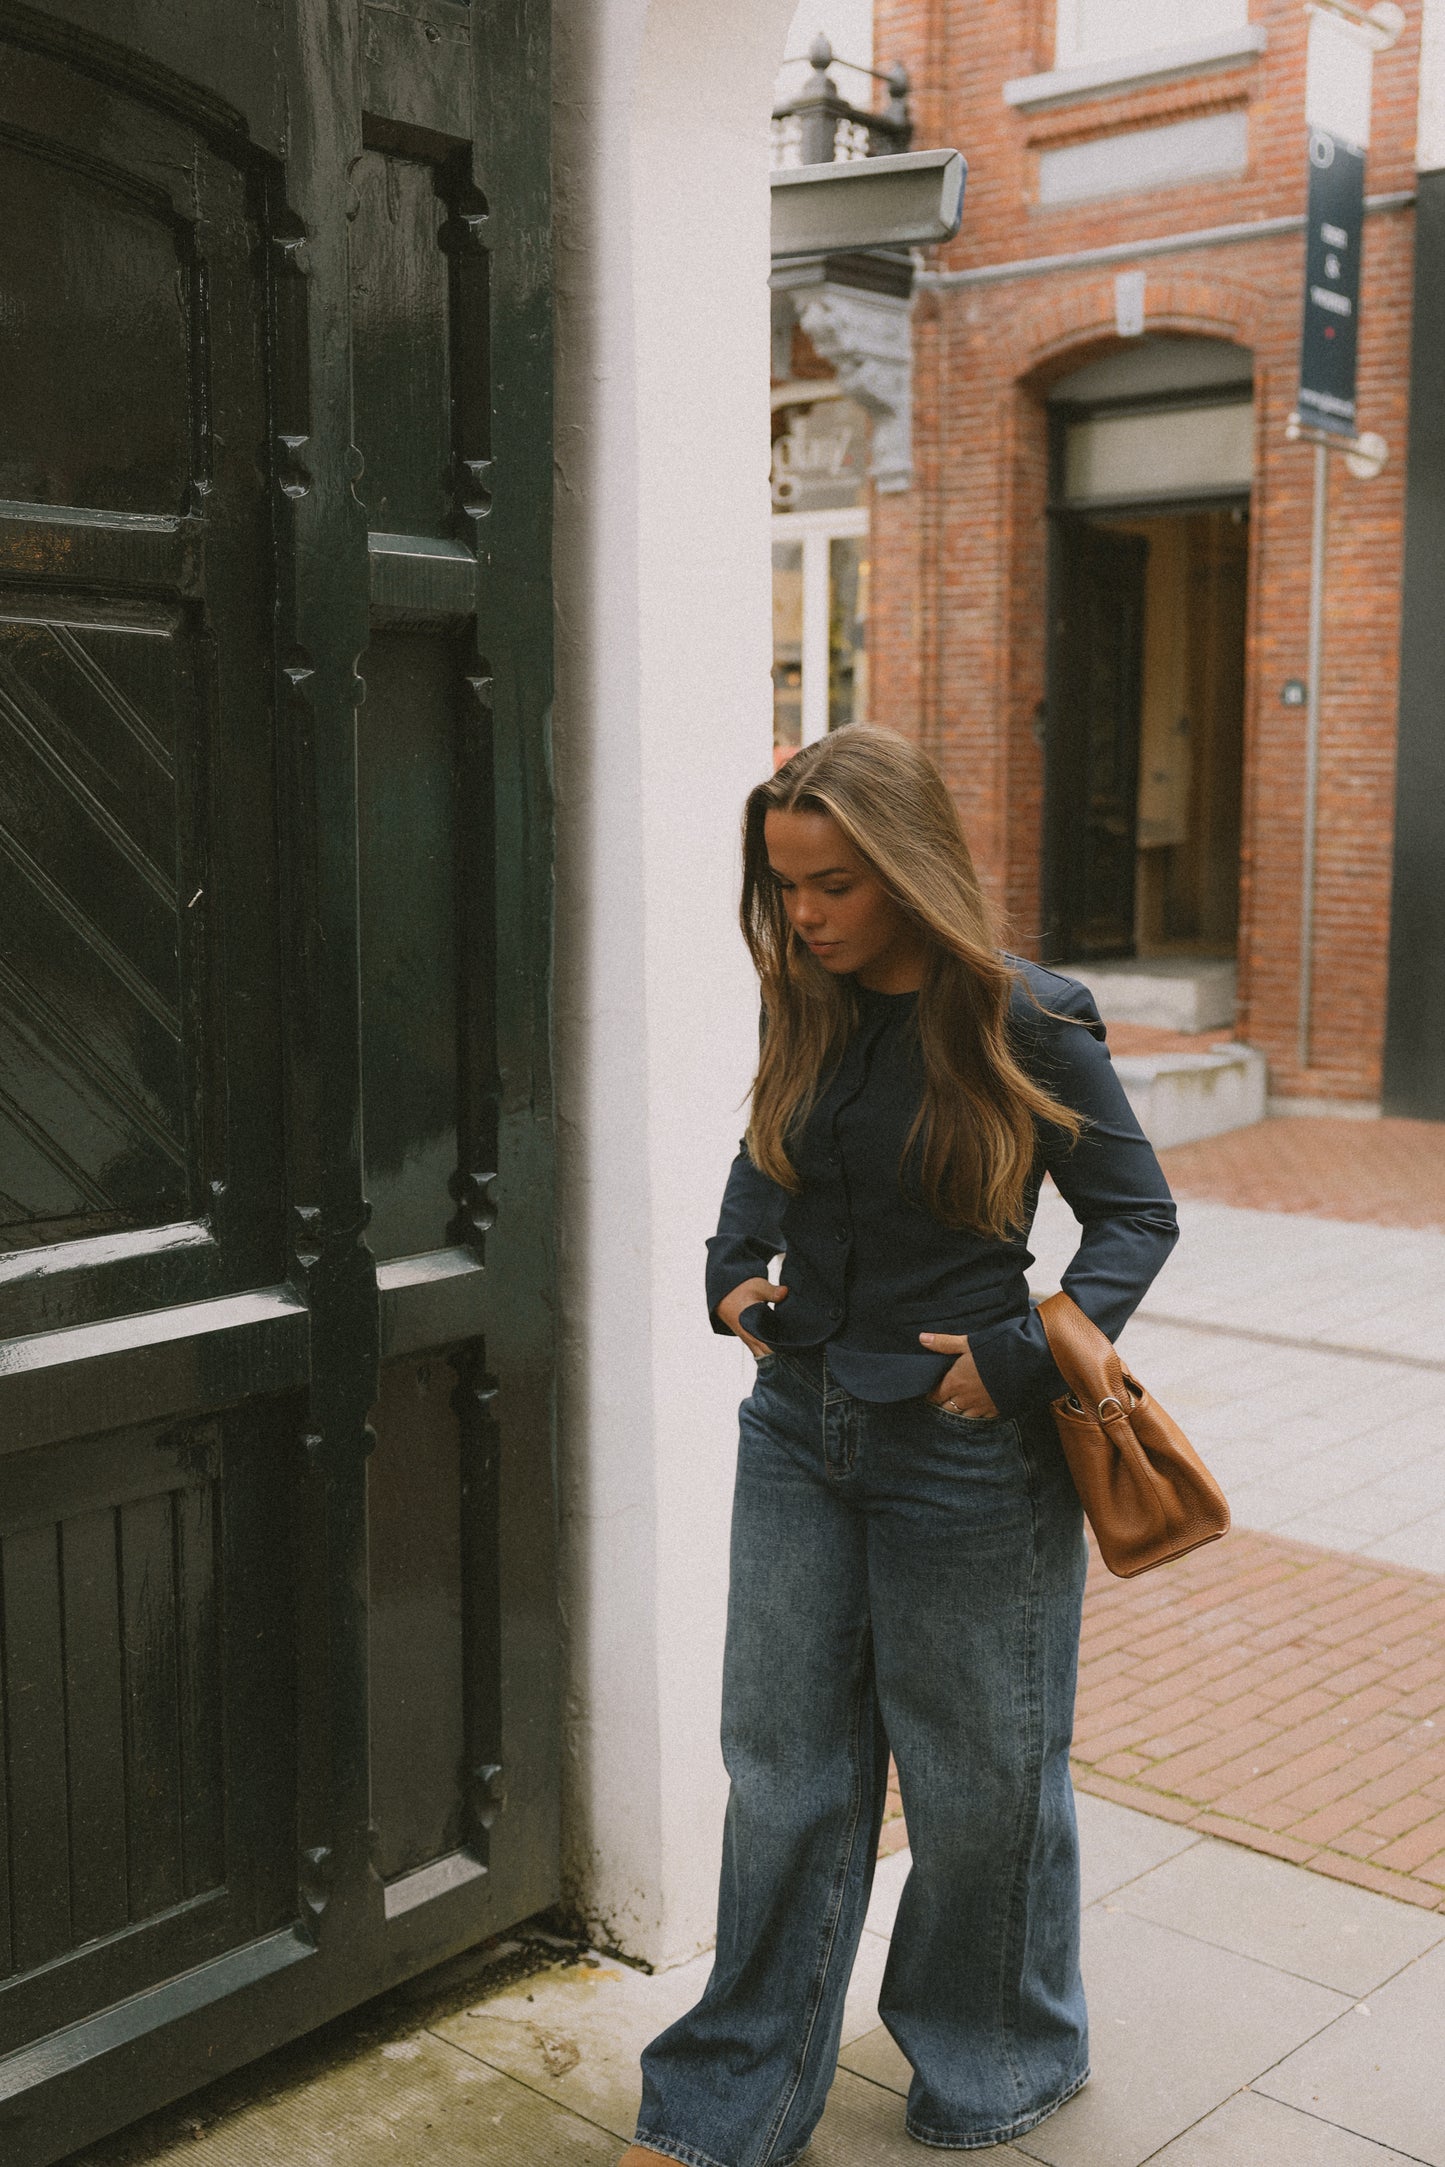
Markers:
836,1312
842,1234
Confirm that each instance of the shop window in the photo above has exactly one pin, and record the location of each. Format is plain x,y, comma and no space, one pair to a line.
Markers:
847,630
820,571
820,624
787,645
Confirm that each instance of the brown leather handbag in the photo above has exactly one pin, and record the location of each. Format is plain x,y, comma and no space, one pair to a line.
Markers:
1148,1495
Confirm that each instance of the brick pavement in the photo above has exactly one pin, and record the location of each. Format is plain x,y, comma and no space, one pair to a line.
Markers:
1385,1172
1381,1173
1287,1698
1149,1038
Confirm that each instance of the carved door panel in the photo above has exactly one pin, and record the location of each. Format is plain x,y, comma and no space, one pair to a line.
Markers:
277,1665
141,1167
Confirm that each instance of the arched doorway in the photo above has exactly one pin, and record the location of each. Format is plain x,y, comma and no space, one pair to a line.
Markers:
1150,474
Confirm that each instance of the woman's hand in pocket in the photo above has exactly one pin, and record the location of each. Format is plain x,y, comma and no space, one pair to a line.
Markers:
731,1307
962,1390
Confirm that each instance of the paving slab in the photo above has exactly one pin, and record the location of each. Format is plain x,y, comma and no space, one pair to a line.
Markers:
1340,1937
1176,2025
1251,2131
1379,2070
412,2100
860,2011
1117,1845
889,1876
1344,1449
862,2126
1381,1287
1421,1545
877,2057
573,2033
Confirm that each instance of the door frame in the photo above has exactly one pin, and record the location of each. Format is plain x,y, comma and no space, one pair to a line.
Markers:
1060,516
815,532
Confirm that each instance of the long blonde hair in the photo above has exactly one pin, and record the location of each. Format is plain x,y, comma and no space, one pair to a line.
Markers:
979,1106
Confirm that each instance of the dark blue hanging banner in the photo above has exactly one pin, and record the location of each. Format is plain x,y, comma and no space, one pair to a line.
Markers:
1338,70
1335,232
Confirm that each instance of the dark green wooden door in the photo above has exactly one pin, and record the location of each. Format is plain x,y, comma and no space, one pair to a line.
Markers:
1095,684
277,1644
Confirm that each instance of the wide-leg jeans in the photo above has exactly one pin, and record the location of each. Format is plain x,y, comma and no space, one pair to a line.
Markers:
901,1577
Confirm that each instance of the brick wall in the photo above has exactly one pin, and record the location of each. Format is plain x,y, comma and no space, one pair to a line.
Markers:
958,620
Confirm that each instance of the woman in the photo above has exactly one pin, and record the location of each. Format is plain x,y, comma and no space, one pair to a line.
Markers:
907,1550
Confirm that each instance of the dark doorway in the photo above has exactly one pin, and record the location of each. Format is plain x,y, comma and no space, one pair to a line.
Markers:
1098,640
278,1659
1146,736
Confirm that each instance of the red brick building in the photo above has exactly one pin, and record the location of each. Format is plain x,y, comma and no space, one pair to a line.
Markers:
1103,485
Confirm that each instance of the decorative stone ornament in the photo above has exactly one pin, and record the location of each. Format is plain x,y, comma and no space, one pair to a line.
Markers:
867,338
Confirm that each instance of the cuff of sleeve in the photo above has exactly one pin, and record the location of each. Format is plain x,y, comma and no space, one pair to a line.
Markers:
723,1274
1013,1359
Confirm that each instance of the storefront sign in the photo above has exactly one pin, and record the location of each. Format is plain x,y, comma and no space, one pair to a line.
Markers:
821,459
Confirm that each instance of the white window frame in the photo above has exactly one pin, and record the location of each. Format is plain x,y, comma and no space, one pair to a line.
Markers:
816,531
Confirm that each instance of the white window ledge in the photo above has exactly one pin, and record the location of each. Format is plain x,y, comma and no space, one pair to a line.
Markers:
1133,71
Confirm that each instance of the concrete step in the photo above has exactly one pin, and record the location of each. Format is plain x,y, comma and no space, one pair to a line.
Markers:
1180,1097
1171,993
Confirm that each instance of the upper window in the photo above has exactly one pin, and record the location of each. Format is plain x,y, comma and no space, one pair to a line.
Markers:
1101,30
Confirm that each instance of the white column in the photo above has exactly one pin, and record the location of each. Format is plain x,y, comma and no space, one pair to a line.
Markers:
1430,114
663,723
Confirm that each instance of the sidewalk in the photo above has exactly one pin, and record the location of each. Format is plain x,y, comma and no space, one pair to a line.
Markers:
1305,1357
1283,1696
1387,1173
1276,1999
1244,2013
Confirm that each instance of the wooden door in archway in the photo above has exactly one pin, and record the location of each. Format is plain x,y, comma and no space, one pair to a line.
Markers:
1095,671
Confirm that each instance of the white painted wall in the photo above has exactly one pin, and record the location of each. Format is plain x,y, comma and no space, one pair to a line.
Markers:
848,27
1089,30
663,722
1430,126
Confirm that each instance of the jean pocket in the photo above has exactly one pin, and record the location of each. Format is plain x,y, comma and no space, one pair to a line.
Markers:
976,1425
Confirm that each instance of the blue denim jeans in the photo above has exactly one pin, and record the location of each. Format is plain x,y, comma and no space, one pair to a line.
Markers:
901,1577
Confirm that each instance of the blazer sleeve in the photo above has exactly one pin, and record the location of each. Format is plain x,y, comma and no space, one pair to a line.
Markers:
749,1232
1112,1183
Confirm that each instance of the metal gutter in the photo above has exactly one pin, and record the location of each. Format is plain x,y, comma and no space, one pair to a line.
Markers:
1245,229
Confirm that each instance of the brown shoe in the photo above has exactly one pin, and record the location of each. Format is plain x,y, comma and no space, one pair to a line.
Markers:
637,2155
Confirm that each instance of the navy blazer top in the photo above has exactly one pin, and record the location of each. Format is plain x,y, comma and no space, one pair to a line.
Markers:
868,1267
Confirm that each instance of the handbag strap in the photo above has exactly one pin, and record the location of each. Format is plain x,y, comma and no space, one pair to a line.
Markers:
1085,1357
